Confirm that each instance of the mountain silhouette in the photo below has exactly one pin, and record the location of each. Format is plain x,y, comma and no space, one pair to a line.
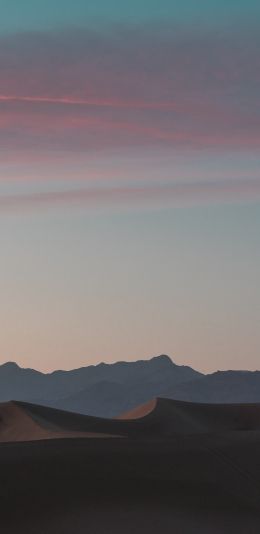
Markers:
102,390
107,390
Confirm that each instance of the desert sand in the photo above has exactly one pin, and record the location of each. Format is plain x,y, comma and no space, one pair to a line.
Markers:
16,424
168,467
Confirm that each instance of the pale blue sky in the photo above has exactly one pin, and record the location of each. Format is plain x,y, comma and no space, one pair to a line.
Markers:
130,182
37,15
78,288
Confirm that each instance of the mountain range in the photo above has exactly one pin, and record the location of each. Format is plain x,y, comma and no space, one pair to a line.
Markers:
107,390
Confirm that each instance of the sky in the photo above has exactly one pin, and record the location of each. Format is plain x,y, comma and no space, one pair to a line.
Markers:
130,182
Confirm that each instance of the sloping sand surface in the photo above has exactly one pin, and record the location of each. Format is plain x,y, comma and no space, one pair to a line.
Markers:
114,486
179,417
16,424
140,411
161,418
181,468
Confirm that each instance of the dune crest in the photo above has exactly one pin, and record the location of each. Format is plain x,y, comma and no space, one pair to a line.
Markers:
175,458
140,411
159,418
16,424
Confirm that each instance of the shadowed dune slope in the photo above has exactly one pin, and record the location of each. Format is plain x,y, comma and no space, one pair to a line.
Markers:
17,424
187,417
159,418
181,467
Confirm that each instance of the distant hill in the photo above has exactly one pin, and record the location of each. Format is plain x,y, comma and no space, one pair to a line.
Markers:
106,390
101,390
220,387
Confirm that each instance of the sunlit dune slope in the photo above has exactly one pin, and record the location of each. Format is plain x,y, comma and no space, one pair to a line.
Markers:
139,411
179,417
179,467
17,424
160,418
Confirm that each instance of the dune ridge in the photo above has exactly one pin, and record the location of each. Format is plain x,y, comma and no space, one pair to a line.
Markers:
16,424
195,464
160,418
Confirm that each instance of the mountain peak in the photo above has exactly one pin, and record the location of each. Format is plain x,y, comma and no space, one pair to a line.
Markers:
10,366
162,358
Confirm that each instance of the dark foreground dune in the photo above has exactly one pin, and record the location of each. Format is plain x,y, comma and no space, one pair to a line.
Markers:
168,467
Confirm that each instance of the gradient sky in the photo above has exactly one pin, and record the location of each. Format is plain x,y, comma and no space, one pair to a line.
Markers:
130,182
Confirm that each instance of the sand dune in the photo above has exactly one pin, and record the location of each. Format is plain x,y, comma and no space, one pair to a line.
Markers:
181,468
140,411
17,424
179,417
160,418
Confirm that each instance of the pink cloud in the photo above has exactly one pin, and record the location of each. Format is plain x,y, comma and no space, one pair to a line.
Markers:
20,128
89,102
78,91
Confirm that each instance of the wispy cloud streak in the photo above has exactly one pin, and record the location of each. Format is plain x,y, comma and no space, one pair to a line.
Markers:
90,102
79,90
173,194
